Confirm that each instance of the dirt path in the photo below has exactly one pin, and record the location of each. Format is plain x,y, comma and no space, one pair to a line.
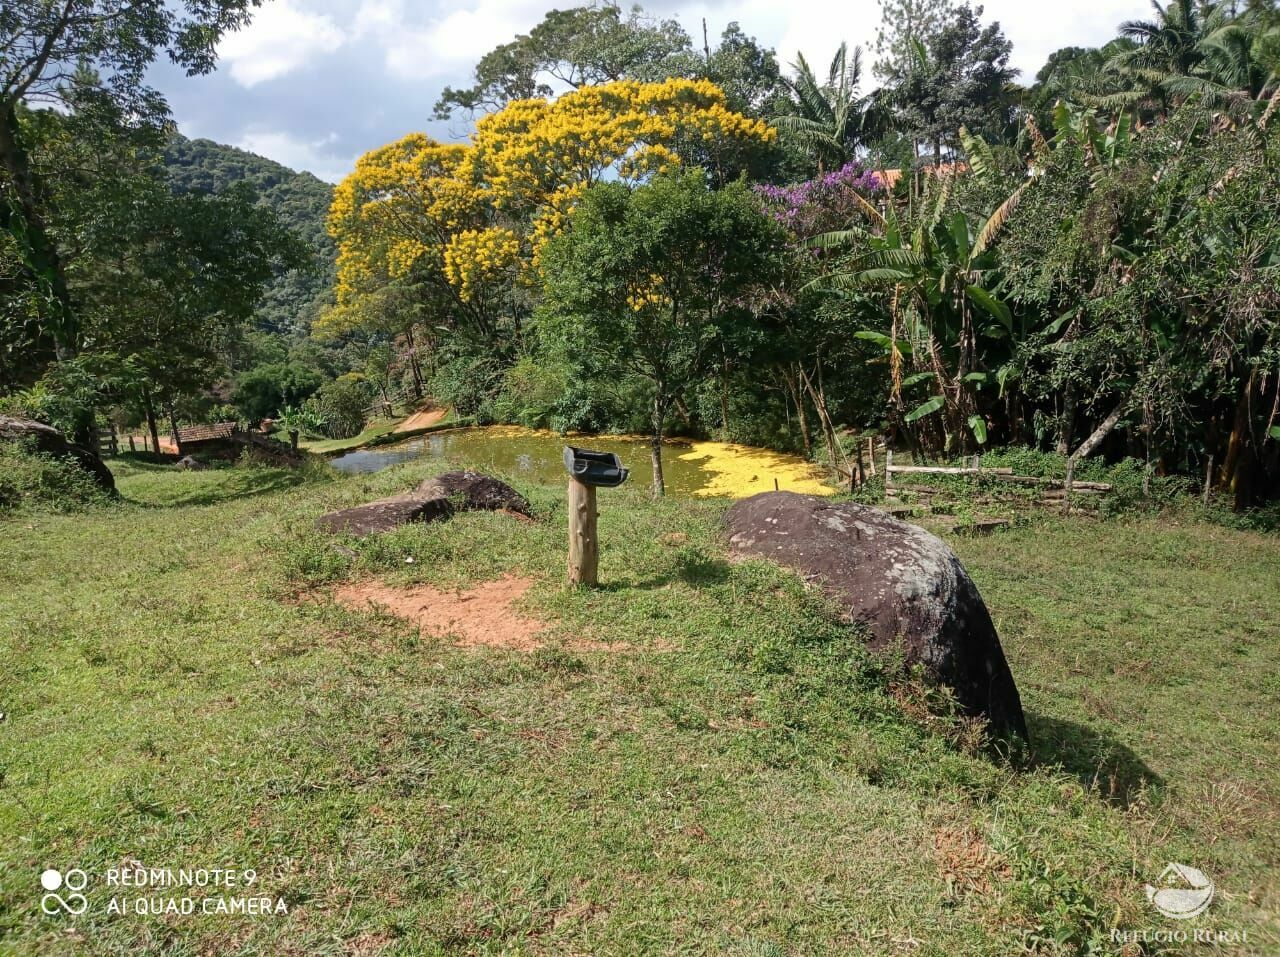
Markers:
420,420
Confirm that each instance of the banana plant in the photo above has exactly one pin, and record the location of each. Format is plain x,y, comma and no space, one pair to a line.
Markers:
948,328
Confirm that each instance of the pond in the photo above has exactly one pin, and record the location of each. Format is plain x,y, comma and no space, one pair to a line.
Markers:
691,468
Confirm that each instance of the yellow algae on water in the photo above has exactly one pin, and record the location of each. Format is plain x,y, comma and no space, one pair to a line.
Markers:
736,471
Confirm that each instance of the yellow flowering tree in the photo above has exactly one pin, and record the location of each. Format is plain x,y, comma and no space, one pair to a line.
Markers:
470,220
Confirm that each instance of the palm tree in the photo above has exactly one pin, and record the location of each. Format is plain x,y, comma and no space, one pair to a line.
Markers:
827,119
1189,50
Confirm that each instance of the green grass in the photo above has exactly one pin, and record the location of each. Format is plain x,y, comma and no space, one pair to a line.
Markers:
374,430
178,690
378,432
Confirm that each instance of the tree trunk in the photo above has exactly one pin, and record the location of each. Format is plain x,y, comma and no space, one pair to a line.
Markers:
655,443
41,255
1242,456
150,411
173,426
1068,418
789,377
834,453
1090,445
414,366
682,410
724,397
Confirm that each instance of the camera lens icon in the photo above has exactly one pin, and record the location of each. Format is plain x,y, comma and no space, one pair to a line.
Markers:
74,881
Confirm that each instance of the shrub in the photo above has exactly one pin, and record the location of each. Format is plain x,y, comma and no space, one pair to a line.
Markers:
342,403
470,384
34,480
530,393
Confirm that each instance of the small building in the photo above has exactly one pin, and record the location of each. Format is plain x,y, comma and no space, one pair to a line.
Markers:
212,441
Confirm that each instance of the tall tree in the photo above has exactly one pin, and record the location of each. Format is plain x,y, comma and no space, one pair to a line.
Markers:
70,53
827,118
903,24
578,47
958,76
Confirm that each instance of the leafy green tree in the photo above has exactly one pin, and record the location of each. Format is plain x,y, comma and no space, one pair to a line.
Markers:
958,76
653,281
293,300
747,72
903,24
342,402
263,391
578,47
89,56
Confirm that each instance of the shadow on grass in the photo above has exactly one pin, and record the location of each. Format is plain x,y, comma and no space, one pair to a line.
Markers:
697,571
234,484
1100,763
143,461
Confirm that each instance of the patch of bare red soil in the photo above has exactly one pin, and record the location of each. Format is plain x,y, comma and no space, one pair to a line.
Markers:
479,616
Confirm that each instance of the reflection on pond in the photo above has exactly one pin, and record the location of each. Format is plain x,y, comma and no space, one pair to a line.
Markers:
690,468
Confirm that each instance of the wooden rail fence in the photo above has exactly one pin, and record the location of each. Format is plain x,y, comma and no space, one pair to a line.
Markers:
1054,489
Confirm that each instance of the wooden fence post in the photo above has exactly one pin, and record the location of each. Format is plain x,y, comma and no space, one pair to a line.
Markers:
584,547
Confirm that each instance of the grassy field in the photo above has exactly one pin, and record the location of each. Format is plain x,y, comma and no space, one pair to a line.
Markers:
377,432
374,430
734,776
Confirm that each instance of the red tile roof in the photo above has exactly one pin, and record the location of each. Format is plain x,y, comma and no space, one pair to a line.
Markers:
203,433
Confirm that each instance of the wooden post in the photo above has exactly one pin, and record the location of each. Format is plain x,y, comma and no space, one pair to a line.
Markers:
584,547
1066,486
888,471
293,439
132,447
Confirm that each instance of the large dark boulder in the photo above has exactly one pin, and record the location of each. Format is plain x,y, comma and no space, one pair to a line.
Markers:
434,499
46,439
473,490
904,584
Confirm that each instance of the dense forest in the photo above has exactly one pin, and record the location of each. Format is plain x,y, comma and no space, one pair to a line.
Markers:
300,201
648,234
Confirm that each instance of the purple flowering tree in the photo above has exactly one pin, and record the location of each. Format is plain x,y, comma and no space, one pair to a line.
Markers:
824,203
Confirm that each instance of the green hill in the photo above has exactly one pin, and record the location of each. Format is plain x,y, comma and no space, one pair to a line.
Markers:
299,199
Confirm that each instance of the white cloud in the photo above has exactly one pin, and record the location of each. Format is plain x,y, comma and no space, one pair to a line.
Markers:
409,49
280,39
313,156
816,27
447,41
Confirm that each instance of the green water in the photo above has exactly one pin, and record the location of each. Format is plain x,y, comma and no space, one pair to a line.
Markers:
532,457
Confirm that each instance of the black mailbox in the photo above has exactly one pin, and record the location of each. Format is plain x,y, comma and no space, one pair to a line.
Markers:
599,469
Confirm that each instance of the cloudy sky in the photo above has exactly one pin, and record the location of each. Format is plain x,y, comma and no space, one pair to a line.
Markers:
315,83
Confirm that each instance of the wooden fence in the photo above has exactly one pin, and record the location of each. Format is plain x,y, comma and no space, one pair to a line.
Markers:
1053,490
107,441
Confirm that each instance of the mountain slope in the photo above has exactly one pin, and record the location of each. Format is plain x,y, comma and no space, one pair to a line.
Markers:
299,199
